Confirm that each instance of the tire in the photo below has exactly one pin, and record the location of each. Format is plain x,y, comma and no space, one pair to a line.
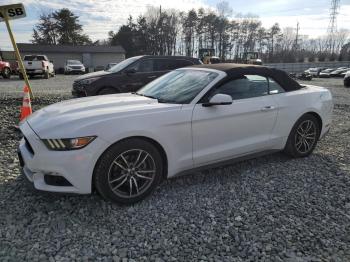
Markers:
107,91
46,75
300,143
347,82
6,73
116,172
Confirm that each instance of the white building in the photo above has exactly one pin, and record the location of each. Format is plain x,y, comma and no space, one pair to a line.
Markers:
91,56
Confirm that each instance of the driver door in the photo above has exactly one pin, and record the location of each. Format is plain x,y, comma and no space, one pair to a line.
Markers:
226,131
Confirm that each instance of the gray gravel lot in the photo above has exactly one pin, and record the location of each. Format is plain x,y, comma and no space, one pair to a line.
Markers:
268,209
56,86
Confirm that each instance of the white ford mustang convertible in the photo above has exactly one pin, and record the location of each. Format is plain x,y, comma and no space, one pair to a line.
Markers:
123,145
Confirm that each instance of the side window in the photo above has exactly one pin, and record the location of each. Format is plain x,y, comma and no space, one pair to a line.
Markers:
246,86
274,87
146,66
161,65
170,64
143,66
182,63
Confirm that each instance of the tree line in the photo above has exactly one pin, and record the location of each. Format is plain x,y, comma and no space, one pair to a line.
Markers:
171,32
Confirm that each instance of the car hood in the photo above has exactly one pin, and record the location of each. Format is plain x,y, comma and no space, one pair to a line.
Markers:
83,114
94,74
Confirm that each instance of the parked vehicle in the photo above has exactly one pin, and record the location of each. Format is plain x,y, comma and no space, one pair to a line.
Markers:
99,68
38,65
110,65
343,74
326,73
74,66
129,75
123,145
303,76
338,72
347,79
315,71
5,69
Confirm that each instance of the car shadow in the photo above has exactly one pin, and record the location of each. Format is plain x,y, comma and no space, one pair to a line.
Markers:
231,175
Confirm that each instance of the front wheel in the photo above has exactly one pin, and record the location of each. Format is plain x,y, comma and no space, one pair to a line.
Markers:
6,73
128,171
303,138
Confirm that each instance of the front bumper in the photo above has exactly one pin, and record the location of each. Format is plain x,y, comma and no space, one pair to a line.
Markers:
35,71
75,70
76,166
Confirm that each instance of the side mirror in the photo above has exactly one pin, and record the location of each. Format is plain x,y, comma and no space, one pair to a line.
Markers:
219,99
130,71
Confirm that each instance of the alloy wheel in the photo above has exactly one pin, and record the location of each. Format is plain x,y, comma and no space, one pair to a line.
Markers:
305,137
131,173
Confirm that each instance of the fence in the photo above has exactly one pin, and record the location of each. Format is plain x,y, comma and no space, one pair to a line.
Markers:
300,67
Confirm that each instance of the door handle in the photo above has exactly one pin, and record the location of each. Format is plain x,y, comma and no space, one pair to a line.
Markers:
267,108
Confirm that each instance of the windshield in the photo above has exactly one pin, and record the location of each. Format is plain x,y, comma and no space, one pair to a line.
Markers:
34,58
120,66
179,86
73,62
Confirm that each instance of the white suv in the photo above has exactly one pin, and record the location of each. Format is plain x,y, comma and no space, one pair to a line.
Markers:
74,66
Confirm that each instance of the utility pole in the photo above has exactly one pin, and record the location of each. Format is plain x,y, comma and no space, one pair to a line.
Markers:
296,42
332,27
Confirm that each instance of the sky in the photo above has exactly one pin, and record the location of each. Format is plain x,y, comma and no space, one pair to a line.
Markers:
100,16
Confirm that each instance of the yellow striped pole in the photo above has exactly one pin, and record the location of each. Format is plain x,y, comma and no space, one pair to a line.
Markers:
18,55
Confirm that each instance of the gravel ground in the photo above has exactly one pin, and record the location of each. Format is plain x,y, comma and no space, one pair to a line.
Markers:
268,209
56,86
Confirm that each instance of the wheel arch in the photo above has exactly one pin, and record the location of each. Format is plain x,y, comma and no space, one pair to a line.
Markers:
159,147
317,116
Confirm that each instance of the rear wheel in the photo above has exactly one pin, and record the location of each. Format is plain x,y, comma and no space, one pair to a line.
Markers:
46,75
304,136
347,82
128,171
107,91
6,73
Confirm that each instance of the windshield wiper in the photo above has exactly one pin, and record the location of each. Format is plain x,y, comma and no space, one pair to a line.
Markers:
153,97
135,93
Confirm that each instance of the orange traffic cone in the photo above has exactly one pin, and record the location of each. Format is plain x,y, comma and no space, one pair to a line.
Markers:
26,108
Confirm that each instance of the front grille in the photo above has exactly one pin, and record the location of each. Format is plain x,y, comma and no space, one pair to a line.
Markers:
76,67
29,147
77,85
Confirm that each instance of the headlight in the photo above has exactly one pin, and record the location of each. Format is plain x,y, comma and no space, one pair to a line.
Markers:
88,81
65,144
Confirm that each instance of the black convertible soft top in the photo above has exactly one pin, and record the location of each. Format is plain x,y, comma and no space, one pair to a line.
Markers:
237,70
